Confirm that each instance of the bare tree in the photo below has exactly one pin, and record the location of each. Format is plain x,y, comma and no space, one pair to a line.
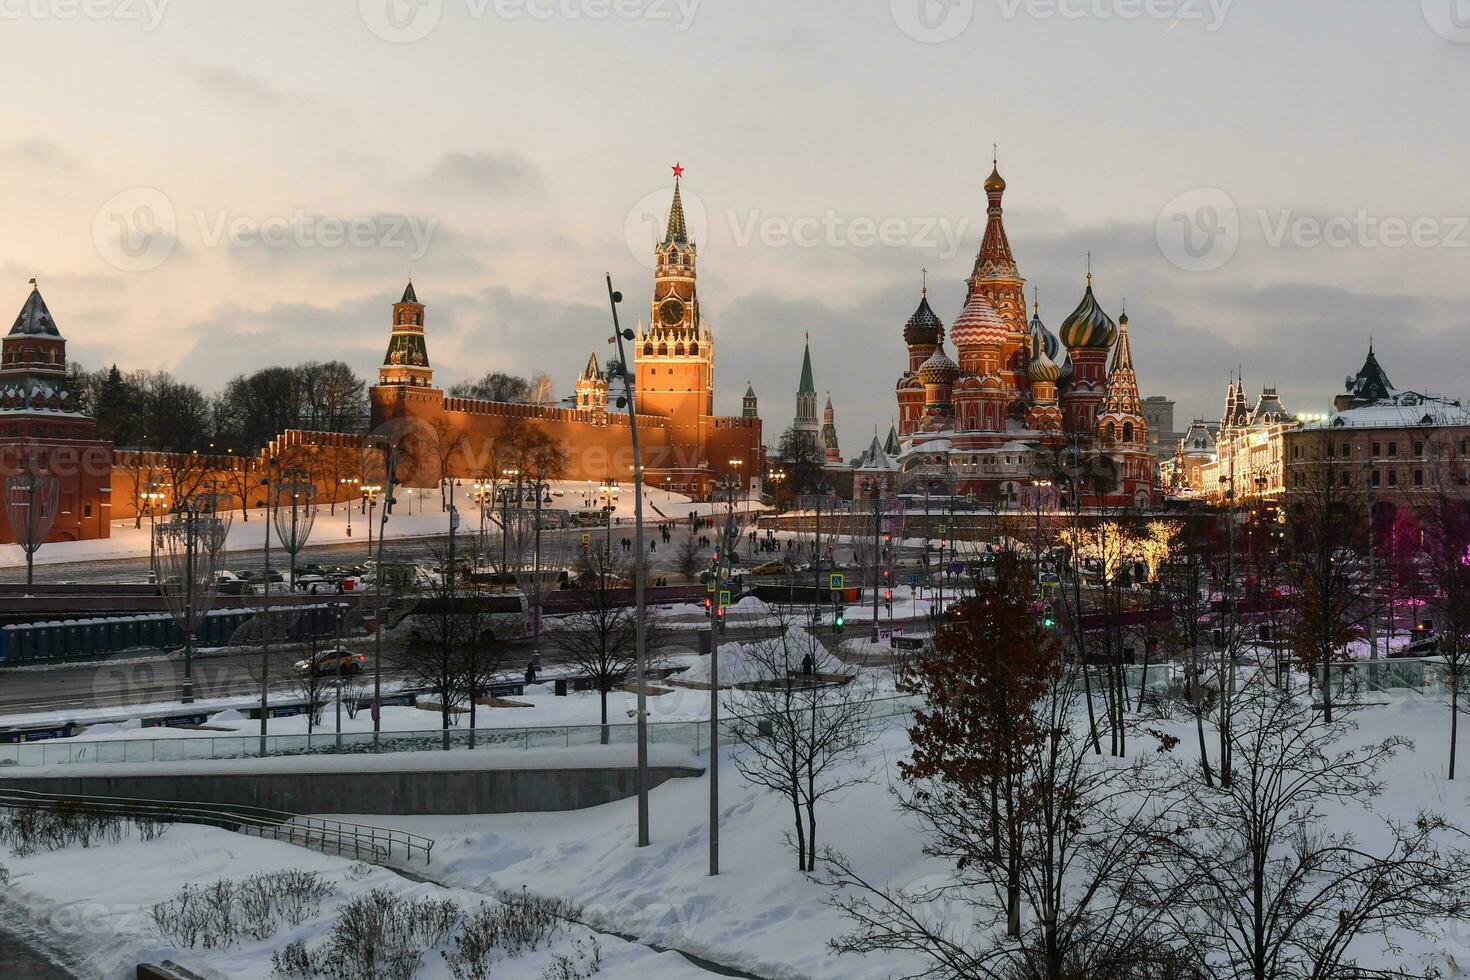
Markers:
1330,517
1444,518
600,638
689,559
1008,789
801,721
1186,596
433,657
1251,875
313,688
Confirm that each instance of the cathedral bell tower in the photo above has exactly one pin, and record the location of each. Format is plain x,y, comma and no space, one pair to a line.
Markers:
675,353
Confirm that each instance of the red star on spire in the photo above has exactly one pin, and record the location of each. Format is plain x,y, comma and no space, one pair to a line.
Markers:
678,170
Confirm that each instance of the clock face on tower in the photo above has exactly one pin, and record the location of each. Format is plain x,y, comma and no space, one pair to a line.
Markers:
671,311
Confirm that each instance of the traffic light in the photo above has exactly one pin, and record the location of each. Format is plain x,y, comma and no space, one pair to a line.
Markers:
888,599
708,604
839,621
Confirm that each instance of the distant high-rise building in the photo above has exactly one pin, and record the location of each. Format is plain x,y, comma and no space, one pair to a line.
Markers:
1160,414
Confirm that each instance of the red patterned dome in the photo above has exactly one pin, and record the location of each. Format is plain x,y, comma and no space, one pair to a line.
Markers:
978,325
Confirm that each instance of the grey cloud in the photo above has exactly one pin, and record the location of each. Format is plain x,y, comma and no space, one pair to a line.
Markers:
485,173
233,84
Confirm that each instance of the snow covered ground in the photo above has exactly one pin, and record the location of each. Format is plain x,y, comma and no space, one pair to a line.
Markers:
759,915
417,514
764,916
93,906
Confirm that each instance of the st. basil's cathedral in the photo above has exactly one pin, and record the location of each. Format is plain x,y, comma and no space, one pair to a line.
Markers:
1017,398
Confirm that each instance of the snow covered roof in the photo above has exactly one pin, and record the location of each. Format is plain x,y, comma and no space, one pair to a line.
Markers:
876,458
35,319
1405,409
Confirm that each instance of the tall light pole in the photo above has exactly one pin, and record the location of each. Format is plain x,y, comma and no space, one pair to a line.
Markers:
609,492
295,514
370,502
821,492
152,498
390,463
874,488
722,562
629,400
350,482
185,567
265,605
542,492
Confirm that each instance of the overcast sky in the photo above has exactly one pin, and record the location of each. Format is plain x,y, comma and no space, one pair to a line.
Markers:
210,187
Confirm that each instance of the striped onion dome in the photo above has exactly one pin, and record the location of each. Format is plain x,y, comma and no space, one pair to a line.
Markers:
1042,339
978,325
939,369
1088,327
924,328
1068,370
1043,368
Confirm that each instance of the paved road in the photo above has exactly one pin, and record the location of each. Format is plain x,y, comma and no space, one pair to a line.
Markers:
18,961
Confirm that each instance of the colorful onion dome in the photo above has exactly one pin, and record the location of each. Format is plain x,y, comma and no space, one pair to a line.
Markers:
939,370
978,325
1042,339
995,183
1088,327
924,328
1068,370
1043,368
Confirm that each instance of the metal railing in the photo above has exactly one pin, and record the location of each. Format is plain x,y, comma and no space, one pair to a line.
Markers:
693,735
377,844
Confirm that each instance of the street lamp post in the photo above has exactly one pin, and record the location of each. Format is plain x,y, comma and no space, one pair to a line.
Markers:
723,562
628,400
542,492
370,502
295,515
609,492
349,482
820,492
874,488
185,569
390,463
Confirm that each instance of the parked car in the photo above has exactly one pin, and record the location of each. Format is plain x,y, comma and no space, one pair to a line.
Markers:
314,585
769,568
330,661
1427,647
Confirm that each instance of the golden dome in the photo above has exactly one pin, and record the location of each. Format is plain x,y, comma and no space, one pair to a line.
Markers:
995,183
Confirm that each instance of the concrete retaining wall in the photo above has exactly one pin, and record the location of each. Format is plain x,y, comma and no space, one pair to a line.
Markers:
359,792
